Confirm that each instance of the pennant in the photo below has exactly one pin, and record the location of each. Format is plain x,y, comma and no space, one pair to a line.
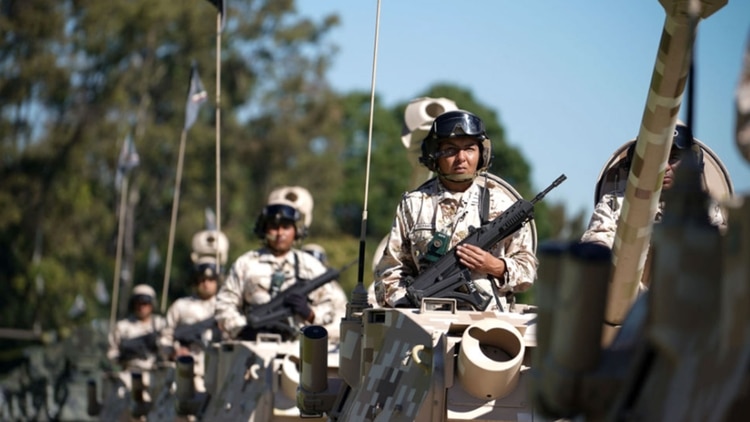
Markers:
210,219
100,292
220,7
128,160
196,96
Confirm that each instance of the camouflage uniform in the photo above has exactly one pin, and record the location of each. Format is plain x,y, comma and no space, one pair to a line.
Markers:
130,328
249,283
188,311
603,223
430,209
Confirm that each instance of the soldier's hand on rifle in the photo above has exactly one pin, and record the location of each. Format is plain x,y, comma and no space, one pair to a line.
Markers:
299,305
479,260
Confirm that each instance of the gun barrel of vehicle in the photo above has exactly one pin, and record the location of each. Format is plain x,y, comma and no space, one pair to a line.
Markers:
651,152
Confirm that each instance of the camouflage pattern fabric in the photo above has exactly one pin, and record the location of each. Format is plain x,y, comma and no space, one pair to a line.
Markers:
249,283
431,209
186,312
603,224
130,328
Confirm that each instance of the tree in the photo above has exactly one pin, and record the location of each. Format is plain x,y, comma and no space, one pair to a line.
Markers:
81,75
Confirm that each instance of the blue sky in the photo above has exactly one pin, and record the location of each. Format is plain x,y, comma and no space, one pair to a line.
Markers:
568,79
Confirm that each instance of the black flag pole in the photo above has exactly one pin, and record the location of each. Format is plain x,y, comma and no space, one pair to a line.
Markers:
220,21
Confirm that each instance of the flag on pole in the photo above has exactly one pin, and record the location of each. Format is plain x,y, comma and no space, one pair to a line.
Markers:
196,96
128,160
210,219
220,7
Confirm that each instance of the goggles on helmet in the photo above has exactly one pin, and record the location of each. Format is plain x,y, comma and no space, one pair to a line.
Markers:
279,212
457,124
207,269
683,137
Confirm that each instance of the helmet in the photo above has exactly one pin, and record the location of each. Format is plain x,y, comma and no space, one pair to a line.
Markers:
454,124
209,244
298,197
682,140
205,266
278,212
142,293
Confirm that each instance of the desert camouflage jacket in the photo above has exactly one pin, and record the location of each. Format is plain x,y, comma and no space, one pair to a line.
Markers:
603,224
430,209
249,283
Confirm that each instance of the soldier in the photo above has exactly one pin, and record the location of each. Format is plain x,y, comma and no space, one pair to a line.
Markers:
191,325
259,275
439,214
133,342
603,223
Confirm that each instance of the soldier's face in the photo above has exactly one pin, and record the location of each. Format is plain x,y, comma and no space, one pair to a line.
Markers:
280,236
143,309
672,163
207,287
458,156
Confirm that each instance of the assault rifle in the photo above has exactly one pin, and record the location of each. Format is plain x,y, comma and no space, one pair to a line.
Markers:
138,347
447,275
188,334
273,316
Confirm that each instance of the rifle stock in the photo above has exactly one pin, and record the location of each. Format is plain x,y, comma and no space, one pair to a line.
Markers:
447,274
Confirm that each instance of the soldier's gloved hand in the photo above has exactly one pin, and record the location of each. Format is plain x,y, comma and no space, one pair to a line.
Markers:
298,304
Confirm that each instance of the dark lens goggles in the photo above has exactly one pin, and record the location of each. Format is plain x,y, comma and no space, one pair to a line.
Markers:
683,137
459,124
279,212
207,269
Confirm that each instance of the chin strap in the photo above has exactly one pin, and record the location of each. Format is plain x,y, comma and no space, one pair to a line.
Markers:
457,177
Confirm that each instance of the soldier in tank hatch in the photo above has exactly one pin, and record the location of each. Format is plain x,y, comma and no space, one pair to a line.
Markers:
260,275
191,326
439,214
133,342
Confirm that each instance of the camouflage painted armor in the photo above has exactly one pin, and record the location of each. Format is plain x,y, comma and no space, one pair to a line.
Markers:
431,209
249,283
603,223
